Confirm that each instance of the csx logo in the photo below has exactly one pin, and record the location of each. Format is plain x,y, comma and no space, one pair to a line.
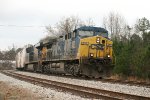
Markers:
84,43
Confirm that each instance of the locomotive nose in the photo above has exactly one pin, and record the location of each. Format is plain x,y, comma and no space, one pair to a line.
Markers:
95,47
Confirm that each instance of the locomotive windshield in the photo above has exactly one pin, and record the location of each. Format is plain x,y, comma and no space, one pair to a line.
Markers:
86,33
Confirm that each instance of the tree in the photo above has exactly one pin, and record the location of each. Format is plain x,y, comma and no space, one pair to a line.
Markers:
18,50
1,55
142,25
105,23
64,26
67,25
146,38
88,22
10,54
115,24
52,31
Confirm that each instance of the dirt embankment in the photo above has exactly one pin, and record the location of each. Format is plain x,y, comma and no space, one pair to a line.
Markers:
8,92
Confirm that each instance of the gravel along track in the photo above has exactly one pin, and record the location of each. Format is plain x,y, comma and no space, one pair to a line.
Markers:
131,83
87,92
41,92
116,87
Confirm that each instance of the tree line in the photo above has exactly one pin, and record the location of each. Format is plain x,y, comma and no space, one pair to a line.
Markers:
131,45
9,55
132,50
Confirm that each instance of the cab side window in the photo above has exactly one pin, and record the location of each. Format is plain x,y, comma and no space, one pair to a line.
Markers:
69,35
103,41
73,34
66,37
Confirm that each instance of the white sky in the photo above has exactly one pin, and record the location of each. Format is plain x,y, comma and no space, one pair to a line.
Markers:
39,13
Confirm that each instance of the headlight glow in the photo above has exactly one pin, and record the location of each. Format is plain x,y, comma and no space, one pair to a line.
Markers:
97,40
92,46
91,54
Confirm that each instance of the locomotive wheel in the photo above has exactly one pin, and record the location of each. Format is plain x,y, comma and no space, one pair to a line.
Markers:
35,68
25,67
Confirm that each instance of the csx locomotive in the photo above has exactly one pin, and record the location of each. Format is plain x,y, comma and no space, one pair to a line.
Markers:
86,51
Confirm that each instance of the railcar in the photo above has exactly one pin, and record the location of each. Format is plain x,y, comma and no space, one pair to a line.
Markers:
85,51
17,58
24,56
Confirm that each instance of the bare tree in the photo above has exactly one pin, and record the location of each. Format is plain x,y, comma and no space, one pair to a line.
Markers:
114,23
52,31
126,31
89,22
64,26
67,25
105,22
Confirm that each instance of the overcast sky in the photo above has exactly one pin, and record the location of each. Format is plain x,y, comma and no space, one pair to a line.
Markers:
23,21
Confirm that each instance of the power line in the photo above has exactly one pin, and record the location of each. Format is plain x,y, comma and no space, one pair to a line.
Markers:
25,26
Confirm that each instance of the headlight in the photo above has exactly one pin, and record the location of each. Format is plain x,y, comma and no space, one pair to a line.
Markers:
98,40
108,56
91,54
92,46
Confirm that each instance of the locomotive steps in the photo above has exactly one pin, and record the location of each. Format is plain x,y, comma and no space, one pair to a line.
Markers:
82,91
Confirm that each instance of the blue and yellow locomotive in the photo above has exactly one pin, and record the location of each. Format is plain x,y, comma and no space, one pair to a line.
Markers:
85,51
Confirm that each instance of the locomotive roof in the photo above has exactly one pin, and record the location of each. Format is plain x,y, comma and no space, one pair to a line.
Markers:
91,28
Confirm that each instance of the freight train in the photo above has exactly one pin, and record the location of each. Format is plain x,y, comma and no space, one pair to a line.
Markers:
87,51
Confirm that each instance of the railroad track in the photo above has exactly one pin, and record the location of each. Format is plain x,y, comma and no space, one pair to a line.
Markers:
86,92
131,83
105,80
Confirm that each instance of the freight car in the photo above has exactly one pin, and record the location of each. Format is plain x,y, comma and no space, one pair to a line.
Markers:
85,51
